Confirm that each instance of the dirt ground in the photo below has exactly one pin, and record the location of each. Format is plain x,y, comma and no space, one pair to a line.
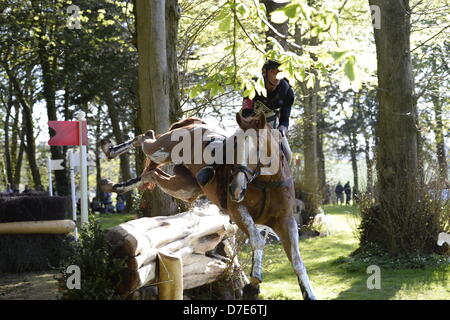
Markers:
28,286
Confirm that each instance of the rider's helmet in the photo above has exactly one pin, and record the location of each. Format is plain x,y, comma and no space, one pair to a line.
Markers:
271,64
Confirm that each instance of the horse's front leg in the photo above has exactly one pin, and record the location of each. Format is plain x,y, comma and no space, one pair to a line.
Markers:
112,151
287,230
246,223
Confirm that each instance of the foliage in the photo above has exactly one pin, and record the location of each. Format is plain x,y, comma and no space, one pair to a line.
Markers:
373,254
411,231
100,269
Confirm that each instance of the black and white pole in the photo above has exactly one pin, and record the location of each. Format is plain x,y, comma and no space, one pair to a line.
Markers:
83,172
72,165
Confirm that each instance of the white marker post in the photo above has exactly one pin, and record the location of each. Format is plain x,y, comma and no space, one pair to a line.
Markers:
53,164
72,165
50,183
83,173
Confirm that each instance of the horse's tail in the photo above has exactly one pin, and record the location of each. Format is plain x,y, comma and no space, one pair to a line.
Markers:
149,166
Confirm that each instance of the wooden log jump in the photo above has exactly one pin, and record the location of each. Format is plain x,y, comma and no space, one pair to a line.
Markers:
37,227
170,250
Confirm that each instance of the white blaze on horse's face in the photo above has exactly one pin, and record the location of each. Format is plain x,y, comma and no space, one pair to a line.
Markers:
245,143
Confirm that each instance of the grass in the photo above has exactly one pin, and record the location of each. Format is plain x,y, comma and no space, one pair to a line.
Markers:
330,281
108,220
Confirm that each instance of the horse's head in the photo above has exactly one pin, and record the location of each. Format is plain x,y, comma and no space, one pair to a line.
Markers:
257,152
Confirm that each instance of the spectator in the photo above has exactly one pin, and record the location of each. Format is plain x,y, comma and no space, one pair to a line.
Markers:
348,192
107,202
9,189
26,190
120,204
96,206
14,189
339,193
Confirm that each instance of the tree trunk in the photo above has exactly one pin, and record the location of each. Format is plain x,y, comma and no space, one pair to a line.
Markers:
154,88
8,166
321,174
353,154
49,92
310,149
27,115
440,142
281,28
172,18
18,166
30,148
125,170
369,165
397,162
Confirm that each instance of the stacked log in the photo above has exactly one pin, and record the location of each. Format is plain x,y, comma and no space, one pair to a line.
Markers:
155,247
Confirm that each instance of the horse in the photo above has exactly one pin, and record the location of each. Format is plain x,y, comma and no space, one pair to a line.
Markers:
250,192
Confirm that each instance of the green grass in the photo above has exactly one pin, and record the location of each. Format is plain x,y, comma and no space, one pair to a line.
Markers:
330,281
108,220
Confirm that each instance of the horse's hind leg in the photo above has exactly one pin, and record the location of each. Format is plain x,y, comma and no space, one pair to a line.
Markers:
182,186
288,232
112,151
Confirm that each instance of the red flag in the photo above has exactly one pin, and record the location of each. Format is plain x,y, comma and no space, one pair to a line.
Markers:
67,133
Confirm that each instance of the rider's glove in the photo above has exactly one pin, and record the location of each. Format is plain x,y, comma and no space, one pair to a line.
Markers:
283,130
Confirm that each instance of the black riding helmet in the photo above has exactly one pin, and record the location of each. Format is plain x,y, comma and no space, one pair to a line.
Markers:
271,64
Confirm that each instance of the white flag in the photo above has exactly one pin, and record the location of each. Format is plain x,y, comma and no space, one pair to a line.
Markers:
56,164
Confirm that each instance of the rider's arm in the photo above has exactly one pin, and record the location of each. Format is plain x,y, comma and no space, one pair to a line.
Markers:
285,109
247,107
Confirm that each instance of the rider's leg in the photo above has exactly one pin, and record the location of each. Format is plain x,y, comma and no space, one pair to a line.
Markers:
206,174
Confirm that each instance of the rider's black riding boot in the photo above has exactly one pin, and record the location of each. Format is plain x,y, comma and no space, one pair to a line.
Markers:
206,174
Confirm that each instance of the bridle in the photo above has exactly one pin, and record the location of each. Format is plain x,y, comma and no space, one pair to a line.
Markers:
251,178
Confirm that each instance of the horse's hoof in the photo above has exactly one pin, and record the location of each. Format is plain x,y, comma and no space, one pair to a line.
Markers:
150,134
250,292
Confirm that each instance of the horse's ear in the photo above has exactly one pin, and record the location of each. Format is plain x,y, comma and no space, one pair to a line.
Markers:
261,120
239,119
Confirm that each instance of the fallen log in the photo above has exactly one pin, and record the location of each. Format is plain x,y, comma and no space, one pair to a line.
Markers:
180,240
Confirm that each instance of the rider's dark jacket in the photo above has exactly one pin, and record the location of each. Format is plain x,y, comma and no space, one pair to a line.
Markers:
276,105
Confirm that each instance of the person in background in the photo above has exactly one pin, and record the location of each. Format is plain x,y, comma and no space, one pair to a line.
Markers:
9,189
26,190
96,206
348,192
120,204
339,193
107,202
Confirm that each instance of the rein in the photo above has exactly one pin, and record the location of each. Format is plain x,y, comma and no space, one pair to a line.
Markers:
252,175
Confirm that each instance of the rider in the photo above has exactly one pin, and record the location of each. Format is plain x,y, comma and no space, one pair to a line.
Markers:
276,106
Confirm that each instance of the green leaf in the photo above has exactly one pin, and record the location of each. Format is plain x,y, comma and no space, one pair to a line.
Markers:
225,24
310,80
339,55
291,10
349,68
278,16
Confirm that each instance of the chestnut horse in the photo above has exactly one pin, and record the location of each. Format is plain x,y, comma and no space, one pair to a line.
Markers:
250,192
